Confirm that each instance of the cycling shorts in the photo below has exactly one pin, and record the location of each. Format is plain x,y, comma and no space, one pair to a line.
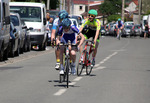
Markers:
90,33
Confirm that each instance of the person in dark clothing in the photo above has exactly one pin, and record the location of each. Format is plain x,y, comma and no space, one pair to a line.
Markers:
146,30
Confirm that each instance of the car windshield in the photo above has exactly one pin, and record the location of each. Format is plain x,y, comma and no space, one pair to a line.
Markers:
14,19
128,27
27,13
137,27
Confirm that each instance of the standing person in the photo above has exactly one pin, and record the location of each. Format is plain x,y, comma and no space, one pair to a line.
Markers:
56,24
119,25
146,30
68,32
93,30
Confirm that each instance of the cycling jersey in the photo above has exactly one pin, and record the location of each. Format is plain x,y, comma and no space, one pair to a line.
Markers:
95,25
69,35
119,24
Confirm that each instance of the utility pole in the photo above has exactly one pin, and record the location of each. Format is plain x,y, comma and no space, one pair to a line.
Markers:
123,2
48,4
88,6
140,2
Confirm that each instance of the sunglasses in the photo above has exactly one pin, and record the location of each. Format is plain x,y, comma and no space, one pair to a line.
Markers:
90,15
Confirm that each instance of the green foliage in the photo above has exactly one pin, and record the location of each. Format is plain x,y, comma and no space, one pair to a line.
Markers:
148,12
110,7
113,18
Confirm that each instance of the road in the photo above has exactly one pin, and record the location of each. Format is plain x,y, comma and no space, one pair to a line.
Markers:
121,75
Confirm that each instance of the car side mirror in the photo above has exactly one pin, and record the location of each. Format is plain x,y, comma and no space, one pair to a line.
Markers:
30,28
15,30
24,27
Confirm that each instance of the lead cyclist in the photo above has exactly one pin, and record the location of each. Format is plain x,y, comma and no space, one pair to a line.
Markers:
119,26
93,30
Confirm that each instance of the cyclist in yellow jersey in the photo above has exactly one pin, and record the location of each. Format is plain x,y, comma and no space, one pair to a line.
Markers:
93,26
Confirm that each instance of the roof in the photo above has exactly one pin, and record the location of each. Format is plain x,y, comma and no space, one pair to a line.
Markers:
135,1
85,2
26,4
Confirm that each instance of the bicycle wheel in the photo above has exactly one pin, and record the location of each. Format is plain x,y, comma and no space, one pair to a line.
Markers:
67,71
80,65
88,63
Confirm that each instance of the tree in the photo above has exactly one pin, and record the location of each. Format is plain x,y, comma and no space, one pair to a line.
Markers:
110,7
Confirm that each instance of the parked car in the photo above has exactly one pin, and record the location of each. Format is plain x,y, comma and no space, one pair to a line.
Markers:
102,30
136,30
34,15
74,22
129,23
14,41
127,30
78,18
15,19
4,29
112,29
27,42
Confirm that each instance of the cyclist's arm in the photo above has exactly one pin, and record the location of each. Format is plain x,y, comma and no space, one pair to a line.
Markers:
54,27
97,31
82,26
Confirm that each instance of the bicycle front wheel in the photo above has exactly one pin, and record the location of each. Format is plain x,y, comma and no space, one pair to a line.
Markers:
88,63
67,71
80,65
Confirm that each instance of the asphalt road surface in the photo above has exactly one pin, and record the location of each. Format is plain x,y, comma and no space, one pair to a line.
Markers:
121,75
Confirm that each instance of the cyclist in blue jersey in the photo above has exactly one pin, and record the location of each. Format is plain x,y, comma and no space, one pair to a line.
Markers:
56,24
119,26
69,32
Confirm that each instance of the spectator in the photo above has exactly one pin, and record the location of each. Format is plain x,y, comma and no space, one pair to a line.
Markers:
146,29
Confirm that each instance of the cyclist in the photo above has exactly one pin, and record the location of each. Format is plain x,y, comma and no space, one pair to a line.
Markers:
93,30
69,32
56,24
119,25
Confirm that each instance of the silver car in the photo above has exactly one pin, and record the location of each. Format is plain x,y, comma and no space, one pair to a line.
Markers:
136,30
127,30
15,19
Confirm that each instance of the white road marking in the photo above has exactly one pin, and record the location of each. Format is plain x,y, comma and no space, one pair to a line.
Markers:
72,83
97,67
60,92
77,79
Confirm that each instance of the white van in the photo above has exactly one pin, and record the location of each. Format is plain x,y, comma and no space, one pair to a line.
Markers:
4,29
148,21
144,20
34,16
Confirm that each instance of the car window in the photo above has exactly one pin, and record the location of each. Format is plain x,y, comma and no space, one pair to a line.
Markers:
14,19
128,27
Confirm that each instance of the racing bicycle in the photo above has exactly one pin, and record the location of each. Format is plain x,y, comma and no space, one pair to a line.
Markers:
85,59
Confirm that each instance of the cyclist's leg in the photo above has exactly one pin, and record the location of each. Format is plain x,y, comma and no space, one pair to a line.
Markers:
57,54
73,57
61,59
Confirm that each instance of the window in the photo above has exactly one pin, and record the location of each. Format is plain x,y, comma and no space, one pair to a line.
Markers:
80,7
27,13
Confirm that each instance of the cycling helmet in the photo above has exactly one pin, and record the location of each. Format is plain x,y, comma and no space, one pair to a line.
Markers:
63,14
119,19
93,12
66,23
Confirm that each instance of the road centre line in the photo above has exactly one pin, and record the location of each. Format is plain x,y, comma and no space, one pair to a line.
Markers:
97,67
60,92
